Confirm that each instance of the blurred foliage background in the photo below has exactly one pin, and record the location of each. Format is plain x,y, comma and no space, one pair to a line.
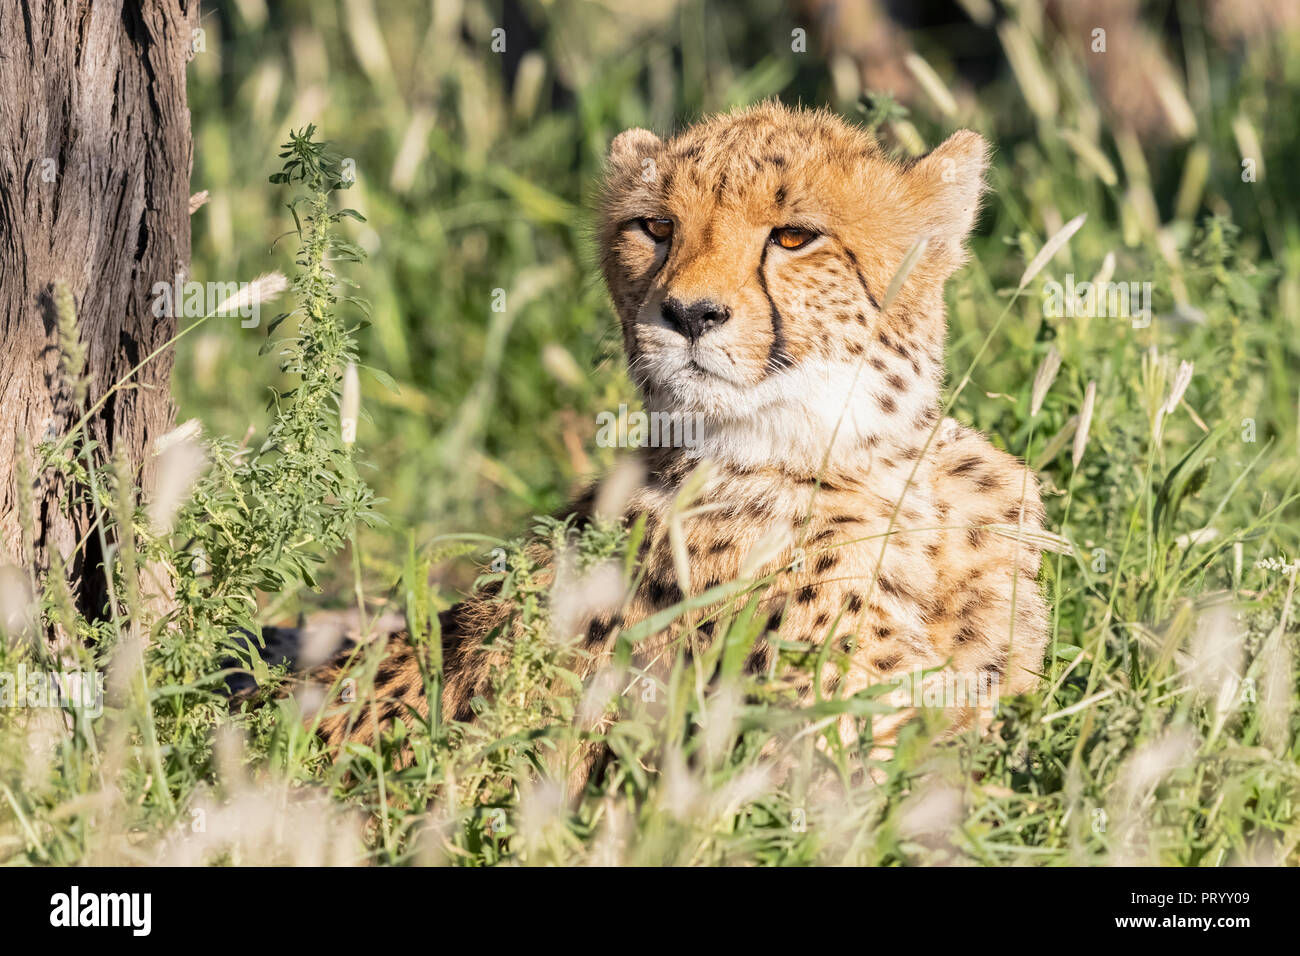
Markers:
475,167
1169,699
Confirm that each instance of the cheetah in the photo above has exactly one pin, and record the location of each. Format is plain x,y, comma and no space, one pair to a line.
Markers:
747,259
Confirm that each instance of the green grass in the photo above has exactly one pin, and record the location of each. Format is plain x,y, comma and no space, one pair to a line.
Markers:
1166,728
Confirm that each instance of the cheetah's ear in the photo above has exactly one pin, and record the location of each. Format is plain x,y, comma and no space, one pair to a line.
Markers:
631,147
948,182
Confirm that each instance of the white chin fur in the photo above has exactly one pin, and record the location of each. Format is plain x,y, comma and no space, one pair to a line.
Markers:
811,414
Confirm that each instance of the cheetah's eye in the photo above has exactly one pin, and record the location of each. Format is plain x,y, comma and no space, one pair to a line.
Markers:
792,237
659,229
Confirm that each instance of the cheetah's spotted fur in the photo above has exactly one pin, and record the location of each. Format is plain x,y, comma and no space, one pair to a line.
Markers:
822,412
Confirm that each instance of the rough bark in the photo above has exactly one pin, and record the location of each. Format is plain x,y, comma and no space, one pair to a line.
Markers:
95,159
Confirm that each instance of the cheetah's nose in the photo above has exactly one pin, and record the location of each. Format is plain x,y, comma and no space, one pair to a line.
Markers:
694,319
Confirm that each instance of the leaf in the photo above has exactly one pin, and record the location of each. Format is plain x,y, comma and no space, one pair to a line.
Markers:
634,539
384,379
904,270
360,303
275,323
741,637
1092,157
1183,479
932,84
658,621
1051,248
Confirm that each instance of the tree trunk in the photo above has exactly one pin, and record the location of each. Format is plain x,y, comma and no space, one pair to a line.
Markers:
95,158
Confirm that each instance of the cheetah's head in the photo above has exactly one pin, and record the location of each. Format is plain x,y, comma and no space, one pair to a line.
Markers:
749,257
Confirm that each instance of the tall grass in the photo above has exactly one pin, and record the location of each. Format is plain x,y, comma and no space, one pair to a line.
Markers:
1165,729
